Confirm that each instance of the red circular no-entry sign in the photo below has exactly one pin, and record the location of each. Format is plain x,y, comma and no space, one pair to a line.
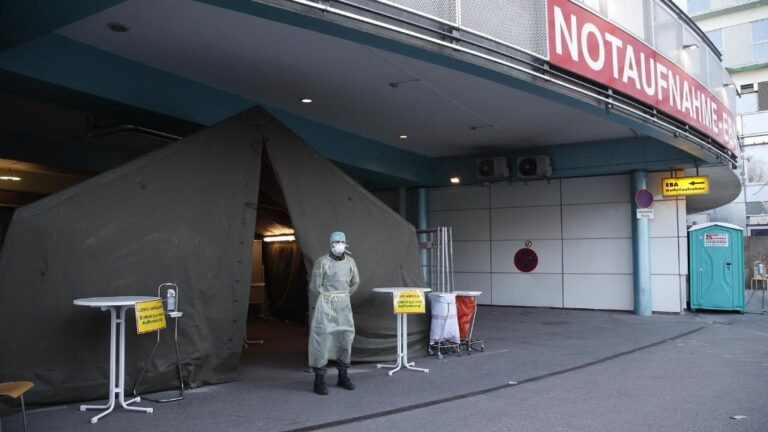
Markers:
526,260
643,198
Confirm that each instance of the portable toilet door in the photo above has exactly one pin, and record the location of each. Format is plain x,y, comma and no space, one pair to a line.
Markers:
716,266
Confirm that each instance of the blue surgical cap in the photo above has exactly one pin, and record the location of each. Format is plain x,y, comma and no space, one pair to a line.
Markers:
338,236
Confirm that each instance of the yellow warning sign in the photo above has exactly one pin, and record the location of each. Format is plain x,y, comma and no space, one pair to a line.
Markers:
150,316
409,301
685,186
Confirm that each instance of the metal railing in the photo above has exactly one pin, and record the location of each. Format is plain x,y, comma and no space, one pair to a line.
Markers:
438,268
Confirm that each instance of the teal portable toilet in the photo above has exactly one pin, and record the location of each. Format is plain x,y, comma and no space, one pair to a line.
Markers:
716,266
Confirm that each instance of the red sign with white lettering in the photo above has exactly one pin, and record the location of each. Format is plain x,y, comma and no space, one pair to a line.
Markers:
584,43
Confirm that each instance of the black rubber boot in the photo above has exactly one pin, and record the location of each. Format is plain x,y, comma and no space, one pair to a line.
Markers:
320,387
344,381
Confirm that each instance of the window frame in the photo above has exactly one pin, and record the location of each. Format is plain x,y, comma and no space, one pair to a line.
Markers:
760,42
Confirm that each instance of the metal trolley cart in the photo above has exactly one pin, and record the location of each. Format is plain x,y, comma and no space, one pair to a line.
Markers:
466,305
169,292
444,331
759,281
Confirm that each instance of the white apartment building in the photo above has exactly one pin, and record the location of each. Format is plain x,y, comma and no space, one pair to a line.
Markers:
739,29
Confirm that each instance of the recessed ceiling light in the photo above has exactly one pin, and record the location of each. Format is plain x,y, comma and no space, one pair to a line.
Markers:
403,136
117,27
10,178
279,238
455,180
306,100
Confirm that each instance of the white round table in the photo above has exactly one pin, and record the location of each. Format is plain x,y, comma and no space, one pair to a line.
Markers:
111,304
402,334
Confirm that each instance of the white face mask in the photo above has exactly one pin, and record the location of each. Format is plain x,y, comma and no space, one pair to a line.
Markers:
338,249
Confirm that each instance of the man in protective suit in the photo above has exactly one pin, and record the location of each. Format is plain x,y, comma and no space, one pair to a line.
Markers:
334,279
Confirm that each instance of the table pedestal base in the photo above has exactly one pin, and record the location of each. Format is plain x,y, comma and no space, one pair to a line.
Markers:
120,390
111,406
402,349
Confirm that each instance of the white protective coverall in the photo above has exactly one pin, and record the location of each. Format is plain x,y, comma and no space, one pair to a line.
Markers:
333,329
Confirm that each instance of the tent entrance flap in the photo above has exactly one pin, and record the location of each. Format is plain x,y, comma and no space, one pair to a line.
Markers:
284,276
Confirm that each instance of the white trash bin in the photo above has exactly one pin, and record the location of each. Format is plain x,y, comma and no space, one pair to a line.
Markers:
444,331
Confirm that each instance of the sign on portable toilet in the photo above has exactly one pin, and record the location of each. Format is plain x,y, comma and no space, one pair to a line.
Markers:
716,266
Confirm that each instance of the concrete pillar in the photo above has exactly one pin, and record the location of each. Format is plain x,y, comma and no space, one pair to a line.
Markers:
641,251
423,223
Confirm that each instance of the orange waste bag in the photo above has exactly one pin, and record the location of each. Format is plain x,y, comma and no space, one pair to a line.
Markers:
465,306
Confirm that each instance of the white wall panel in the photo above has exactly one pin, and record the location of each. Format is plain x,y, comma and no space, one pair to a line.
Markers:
492,222
665,293
598,292
683,292
525,223
475,282
597,221
664,257
682,213
542,290
550,254
665,220
683,241
518,194
459,197
471,256
467,224
589,190
609,256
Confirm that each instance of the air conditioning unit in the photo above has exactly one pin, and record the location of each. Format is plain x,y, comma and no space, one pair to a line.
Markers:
748,88
533,167
494,168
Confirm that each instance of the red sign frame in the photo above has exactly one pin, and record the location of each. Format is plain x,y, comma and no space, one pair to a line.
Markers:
643,198
587,44
526,260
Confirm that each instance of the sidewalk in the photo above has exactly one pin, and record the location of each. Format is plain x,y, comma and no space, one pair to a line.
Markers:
575,371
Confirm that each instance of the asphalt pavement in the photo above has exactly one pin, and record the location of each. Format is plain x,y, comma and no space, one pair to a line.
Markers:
543,370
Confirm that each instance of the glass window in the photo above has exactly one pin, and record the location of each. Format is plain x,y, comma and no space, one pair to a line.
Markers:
716,36
669,33
694,61
761,139
755,123
695,6
760,40
594,4
747,103
757,164
629,14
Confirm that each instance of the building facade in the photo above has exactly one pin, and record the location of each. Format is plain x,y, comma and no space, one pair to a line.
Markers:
739,29
605,97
